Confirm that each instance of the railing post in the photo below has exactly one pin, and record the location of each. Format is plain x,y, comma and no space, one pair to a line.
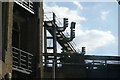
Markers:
19,57
27,64
29,4
24,60
54,17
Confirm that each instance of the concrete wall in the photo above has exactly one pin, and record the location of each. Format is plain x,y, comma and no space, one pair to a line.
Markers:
40,64
31,35
7,63
0,38
34,38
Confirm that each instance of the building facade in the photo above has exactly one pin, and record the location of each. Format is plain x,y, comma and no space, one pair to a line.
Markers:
21,39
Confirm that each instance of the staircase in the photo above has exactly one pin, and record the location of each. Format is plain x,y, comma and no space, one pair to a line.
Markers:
51,25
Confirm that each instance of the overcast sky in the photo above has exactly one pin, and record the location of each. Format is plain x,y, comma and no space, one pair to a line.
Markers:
97,24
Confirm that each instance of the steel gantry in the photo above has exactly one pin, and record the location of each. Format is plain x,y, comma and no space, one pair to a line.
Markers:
70,63
54,27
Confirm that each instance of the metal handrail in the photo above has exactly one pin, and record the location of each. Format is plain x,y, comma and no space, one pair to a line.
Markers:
28,5
91,59
73,43
22,60
22,51
48,16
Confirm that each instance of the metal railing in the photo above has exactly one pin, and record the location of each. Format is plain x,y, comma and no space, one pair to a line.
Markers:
50,16
27,4
98,60
72,42
22,60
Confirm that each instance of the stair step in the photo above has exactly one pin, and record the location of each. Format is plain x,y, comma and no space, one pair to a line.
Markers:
49,47
49,37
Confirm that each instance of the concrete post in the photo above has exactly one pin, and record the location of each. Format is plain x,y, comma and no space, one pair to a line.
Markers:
40,68
7,64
